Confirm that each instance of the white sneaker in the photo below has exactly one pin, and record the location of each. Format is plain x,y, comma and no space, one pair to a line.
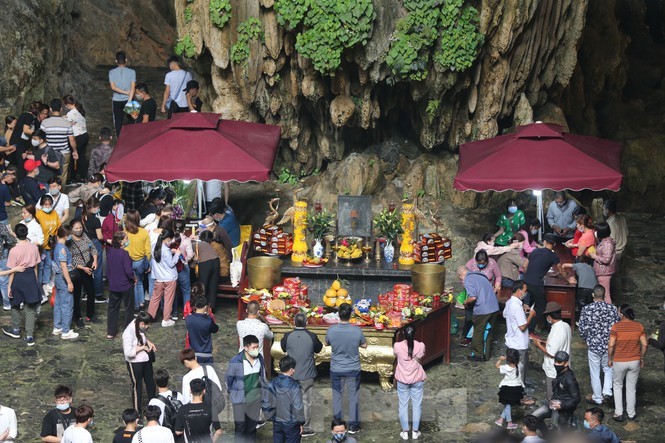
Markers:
56,331
44,299
415,435
48,288
167,323
404,435
70,335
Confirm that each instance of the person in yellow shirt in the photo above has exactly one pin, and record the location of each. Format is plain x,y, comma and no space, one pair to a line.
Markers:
138,247
50,222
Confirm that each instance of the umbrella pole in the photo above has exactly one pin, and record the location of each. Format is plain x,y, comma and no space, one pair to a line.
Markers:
539,203
199,197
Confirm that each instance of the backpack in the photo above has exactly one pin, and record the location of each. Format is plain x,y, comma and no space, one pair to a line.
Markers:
171,407
213,398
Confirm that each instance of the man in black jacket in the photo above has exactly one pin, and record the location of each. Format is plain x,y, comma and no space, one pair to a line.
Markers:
302,344
565,396
282,403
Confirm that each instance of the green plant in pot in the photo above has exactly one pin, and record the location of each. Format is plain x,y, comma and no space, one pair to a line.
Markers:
319,224
389,224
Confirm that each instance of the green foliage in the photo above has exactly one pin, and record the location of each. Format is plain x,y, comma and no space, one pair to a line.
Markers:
286,176
460,38
432,107
220,12
247,31
329,27
185,46
319,223
416,34
421,193
188,14
389,224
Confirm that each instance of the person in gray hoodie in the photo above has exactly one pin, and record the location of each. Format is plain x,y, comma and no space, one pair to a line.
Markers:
282,403
302,344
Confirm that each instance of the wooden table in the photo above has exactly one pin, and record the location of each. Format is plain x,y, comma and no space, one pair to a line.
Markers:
433,331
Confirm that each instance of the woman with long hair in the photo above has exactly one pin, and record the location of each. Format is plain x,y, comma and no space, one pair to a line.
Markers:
26,125
586,239
186,256
49,221
121,280
63,309
410,377
139,251
208,264
163,271
84,258
5,148
164,222
76,115
29,218
626,351
93,229
605,262
137,349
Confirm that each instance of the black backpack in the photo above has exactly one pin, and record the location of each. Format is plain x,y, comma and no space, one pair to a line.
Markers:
213,398
171,407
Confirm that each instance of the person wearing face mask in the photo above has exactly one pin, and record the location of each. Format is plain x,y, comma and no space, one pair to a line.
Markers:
84,258
488,267
530,237
59,419
112,222
245,381
139,355
121,281
101,153
49,222
509,223
560,215
60,199
28,218
51,160
540,262
339,432
148,104
30,189
565,397
559,340
94,187
517,326
618,226
598,432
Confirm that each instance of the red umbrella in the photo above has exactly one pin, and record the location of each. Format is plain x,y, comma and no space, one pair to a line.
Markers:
539,156
194,146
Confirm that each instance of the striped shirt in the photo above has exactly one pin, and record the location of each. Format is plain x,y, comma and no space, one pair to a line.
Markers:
627,334
58,130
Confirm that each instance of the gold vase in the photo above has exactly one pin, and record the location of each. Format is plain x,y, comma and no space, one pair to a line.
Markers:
408,228
299,227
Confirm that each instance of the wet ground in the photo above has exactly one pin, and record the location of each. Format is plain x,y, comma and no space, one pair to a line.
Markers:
460,398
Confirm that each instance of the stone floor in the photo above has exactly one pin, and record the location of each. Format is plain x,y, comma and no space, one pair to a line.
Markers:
460,399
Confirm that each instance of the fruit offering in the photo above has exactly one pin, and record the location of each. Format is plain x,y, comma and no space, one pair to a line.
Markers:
336,295
349,250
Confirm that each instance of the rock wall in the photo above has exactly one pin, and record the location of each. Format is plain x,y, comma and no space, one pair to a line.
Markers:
530,48
48,46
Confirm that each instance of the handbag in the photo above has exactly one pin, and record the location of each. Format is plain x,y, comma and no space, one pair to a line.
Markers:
151,356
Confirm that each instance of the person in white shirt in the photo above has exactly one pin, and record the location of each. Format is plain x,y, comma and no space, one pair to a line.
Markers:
60,199
8,425
188,359
559,339
162,382
517,325
78,433
153,432
253,325
511,388
530,430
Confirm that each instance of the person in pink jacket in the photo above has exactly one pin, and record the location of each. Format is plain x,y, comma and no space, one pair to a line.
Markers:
410,377
604,264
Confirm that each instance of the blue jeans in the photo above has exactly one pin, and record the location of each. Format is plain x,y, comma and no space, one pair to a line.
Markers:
596,363
44,269
349,381
185,286
413,392
285,432
507,413
98,275
63,310
139,267
4,283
